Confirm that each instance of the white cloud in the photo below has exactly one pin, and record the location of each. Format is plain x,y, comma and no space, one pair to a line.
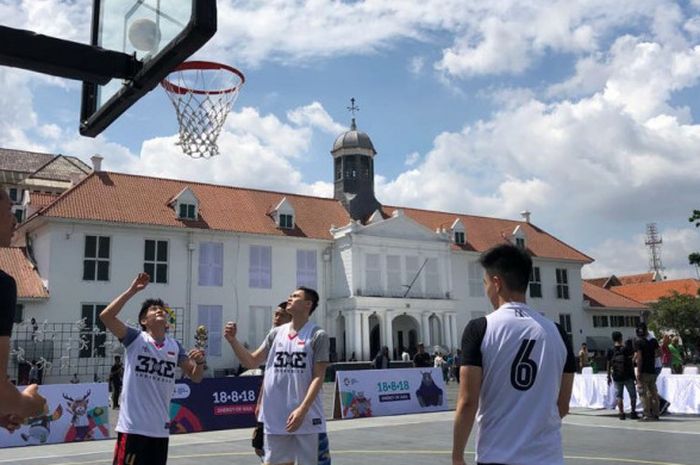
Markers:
314,115
631,256
412,158
416,65
255,151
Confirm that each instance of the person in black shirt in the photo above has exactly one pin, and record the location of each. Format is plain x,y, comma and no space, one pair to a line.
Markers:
116,375
15,406
645,353
422,358
621,371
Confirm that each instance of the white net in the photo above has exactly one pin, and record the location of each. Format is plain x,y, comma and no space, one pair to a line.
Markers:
202,95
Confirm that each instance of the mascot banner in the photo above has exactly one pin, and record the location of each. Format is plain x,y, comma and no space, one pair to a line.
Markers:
75,412
373,393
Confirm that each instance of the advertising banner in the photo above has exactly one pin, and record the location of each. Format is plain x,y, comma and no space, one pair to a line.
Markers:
373,393
214,404
76,412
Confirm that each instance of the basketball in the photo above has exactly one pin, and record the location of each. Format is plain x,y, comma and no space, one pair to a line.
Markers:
144,35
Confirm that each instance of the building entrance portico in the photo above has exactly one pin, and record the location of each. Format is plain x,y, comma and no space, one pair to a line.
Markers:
364,325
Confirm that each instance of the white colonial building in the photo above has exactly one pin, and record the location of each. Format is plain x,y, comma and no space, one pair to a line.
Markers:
386,275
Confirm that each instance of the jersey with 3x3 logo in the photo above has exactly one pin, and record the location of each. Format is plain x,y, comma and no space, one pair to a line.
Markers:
149,380
288,374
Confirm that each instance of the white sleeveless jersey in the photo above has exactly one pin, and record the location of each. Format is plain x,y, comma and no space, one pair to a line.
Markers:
523,356
288,374
149,380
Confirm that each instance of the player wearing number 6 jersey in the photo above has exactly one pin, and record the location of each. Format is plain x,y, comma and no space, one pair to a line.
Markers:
517,373
150,362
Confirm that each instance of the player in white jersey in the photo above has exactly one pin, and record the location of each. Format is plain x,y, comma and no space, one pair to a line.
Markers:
149,378
517,373
296,355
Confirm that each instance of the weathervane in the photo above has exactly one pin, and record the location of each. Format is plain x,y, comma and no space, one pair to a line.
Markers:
353,109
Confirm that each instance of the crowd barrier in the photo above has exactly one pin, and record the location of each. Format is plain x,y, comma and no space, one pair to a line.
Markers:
682,391
80,412
372,393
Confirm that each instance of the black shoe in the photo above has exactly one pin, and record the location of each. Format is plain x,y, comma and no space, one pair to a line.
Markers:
621,416
664,407
634,416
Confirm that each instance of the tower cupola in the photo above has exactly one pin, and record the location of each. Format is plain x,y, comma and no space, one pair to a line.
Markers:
353,172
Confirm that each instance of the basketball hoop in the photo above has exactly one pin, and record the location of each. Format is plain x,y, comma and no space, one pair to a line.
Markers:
203,94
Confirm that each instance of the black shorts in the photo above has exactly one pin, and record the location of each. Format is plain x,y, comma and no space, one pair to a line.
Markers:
134,449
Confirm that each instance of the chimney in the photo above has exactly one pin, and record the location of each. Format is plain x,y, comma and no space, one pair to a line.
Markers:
526,215
96,163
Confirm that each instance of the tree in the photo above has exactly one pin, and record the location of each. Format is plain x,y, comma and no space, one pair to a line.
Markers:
679,313
694,258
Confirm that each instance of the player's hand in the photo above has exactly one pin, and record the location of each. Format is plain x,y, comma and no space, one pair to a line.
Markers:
230,331
10,422
140,282
197,356
32,403
295,419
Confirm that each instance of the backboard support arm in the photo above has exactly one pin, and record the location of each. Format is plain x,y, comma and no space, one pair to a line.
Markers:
28,50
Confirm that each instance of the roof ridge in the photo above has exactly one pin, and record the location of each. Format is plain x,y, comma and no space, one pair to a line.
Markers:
224,186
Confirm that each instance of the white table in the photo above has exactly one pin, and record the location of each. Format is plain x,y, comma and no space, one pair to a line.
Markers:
592,391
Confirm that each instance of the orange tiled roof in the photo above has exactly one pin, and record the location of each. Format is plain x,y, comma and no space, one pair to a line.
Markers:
125,198
651,292
39,200
600,297
483,233
600,282
15,263
636,278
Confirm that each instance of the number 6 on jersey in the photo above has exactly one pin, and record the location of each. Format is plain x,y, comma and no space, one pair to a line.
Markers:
524,370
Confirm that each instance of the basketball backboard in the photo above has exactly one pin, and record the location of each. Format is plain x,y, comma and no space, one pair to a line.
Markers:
160,34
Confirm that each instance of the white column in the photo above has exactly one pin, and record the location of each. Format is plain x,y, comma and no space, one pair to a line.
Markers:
357,339
456,338
365,336
389,331
425,330
446,338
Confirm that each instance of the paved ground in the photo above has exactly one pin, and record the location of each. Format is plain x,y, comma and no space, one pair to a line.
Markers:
590,437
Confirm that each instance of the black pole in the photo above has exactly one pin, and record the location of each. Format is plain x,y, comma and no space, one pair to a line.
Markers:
63,58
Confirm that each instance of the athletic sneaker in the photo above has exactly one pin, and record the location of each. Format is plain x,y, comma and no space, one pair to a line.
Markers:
664,407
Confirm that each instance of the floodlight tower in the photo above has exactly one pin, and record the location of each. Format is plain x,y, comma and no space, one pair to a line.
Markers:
653,242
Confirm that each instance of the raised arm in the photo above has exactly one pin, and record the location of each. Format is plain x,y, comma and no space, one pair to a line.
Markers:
109,314
248,359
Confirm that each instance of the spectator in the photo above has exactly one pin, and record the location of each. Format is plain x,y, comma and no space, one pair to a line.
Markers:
676,356
75,379
583,357
621,372
422,358
381,361
665,353
645,349
34,373
405,357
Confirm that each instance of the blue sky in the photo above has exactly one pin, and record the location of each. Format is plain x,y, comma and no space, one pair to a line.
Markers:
584,112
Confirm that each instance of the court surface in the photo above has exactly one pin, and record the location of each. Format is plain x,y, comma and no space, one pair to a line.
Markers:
590,437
